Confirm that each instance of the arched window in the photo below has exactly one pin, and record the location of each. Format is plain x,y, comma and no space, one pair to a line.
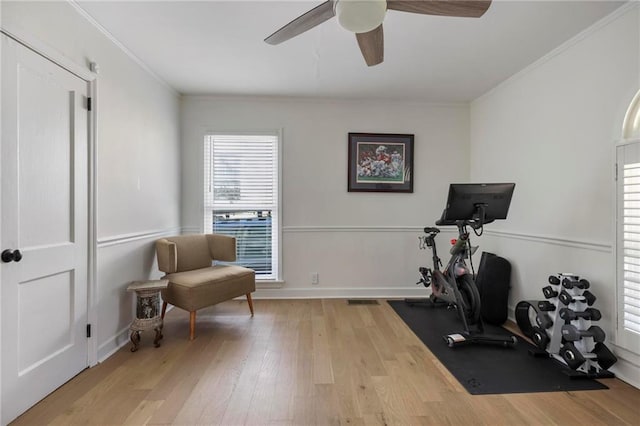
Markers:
631,125
628,230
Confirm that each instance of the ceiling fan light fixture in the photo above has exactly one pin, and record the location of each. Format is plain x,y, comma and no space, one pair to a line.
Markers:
360,16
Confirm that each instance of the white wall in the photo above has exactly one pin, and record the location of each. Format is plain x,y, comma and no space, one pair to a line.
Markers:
138,156
343,236
552,129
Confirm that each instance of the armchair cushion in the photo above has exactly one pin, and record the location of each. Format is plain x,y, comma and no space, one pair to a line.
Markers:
222,247
193,290
192,252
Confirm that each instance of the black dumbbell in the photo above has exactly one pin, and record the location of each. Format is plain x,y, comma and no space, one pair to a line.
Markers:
590,297
549,292
572,334
545,305
554,280
566,298
604,356
586,297
543,320
571,355
592,314
540,337
571,282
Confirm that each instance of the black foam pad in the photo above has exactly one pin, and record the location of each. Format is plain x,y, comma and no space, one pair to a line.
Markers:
494,282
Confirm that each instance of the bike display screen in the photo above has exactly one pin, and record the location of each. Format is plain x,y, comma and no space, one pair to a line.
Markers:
465,198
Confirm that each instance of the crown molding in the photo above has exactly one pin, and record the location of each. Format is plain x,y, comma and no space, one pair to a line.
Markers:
594,28
122,47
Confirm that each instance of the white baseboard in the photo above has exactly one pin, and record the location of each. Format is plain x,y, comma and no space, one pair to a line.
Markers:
627,372
339,293
113,344
117,341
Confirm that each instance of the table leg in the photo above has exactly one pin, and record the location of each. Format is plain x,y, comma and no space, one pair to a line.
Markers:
156,341
135,339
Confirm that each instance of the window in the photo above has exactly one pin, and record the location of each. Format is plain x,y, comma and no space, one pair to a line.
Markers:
628,231
241,196
630,248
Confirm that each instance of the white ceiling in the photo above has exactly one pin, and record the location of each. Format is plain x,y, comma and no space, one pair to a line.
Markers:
217,47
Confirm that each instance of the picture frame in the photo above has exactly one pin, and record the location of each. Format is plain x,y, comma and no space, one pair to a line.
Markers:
380,162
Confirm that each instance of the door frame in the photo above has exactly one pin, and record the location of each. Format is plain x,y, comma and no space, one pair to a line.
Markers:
91,77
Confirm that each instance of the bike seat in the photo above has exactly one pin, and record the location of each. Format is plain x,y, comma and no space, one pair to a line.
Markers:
431,230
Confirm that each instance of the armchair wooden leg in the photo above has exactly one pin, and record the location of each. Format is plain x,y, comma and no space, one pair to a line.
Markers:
164,309
250,303
192,324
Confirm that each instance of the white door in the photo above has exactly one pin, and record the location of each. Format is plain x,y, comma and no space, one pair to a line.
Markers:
44,216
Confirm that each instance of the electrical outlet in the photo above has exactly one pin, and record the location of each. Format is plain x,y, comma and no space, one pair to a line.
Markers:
315,278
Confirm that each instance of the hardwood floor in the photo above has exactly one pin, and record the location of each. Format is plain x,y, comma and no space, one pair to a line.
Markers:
303,362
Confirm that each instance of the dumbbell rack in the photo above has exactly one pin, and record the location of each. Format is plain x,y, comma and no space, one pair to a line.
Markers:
564,327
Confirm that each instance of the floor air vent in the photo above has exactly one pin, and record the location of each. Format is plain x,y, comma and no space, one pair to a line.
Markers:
362,302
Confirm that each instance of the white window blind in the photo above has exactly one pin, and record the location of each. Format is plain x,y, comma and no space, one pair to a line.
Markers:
631,247
628,246
241,196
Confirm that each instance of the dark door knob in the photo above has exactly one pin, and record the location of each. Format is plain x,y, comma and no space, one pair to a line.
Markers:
9,255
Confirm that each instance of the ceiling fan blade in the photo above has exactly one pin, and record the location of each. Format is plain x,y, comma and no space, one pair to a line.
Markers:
372,46
461,8
302,23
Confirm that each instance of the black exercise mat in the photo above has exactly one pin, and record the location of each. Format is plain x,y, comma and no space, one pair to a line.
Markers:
487,369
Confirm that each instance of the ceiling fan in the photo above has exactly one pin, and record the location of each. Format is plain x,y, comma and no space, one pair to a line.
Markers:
364,18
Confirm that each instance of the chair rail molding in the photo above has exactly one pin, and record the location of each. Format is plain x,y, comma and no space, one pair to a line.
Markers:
135,236
559,241
412,229
538,238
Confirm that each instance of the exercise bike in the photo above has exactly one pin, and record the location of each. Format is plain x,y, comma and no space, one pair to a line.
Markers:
454,286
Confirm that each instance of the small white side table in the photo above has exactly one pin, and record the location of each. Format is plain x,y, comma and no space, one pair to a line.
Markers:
147,310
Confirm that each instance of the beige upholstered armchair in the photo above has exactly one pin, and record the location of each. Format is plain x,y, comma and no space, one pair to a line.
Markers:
193,282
